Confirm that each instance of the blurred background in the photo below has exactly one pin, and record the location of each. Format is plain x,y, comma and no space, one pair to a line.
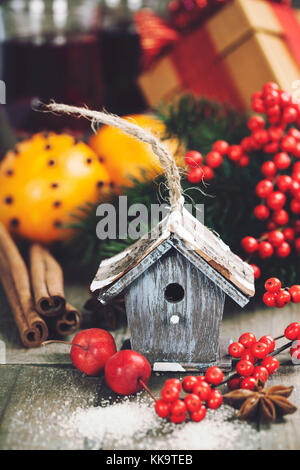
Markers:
88,52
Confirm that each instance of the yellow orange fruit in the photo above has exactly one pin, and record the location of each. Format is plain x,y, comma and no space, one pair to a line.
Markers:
43,181
127,158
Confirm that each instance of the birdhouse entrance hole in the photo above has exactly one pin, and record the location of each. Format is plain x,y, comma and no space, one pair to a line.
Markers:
174,292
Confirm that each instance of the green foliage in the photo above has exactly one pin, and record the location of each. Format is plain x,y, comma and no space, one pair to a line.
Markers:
229,199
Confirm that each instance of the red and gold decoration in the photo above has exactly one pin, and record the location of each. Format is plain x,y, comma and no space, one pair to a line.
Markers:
231,53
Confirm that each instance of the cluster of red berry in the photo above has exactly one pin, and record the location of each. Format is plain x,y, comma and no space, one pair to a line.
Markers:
275,296
202,169
277,136
279,193
200,396
249,351
256,359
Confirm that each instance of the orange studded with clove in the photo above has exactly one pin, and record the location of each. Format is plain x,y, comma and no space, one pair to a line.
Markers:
44,180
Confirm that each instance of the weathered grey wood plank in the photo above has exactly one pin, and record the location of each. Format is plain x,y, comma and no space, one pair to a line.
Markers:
195,336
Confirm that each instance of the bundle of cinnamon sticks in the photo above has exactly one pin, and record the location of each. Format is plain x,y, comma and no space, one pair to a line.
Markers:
36,295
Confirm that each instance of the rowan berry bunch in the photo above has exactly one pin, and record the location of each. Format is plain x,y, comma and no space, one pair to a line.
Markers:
199,396
256,359
276,296
275,139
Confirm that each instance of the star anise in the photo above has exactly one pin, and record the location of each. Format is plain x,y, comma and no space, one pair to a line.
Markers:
260,404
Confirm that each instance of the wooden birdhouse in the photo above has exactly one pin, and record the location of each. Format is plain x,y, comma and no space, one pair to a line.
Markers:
174,281
175,278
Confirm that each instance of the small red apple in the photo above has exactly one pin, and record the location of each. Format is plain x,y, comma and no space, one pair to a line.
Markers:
125,369
91,349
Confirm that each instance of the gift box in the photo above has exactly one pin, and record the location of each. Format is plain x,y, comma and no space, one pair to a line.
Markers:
246,44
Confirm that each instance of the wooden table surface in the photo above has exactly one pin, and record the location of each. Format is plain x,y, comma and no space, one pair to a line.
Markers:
41,395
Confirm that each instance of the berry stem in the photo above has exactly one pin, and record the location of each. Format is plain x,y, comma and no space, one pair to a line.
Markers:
147,389
279,337
274,353
283,348
45,343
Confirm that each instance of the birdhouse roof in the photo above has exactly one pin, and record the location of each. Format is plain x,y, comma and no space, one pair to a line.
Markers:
202,247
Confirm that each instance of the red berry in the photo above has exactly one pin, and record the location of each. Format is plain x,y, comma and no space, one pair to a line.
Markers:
285,98
261,212
175,382
195,175
255,122
289,114
264,188
295,293
292,331
215,400
235,152
162,408
259,350
221,146
91,350
289,234
214,375
203,390
192,402
268,169
208,173
236,349
257,106
170,393
271,97
199,415
261,373
271,86
271,147
247,339
193,158
248,383
275,133
214,159
294,132
248,356
283,250
188,383
269,341
200,378
281,217
234,383
276,200
249,244
273,284
260,136
178,408
271,364
276,237
288,144
284,183
125,369
269,299
265,250
283,298
245,368
177,419
295,206
256,270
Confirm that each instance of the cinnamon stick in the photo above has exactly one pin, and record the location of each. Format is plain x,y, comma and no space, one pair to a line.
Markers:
15,279
69,322
46,281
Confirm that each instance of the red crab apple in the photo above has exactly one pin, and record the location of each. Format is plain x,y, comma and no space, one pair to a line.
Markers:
126,370
91,349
